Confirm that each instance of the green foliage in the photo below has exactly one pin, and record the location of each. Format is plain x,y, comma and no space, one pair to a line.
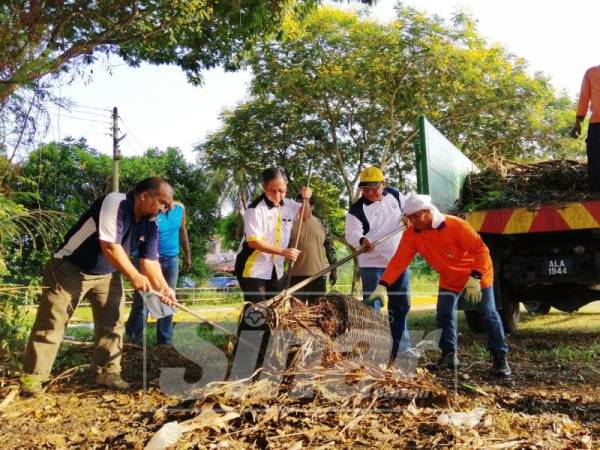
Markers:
22,228
230,229
14,323
420,268
68,176
345,93
479,352
566,353
53,37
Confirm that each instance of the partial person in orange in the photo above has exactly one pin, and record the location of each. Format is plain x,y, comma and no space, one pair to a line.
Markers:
589,99
455,250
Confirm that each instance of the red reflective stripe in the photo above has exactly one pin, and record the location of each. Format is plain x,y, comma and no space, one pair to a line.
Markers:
594,209
495,221
548,219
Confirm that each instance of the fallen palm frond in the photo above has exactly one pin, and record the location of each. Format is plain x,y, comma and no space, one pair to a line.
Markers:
338,372
19,226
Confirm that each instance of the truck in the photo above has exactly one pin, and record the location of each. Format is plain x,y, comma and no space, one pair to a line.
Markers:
544,256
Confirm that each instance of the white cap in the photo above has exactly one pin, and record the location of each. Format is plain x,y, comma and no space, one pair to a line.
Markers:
415,202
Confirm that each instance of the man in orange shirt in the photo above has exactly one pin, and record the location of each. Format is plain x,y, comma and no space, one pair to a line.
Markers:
589,98
457,253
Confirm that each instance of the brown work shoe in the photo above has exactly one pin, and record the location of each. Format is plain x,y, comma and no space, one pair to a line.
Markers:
112,381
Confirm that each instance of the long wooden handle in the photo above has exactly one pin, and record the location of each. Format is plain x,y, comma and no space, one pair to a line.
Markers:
288,278
326,270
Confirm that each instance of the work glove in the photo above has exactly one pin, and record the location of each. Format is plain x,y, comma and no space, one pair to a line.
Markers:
333,277
473,291
380,293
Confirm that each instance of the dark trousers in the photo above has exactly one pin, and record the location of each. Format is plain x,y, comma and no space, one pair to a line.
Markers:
398,307
312,291
256,289
251,352
593,155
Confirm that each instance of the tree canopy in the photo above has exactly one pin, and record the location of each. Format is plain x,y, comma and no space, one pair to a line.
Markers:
45,37
66,177
346,92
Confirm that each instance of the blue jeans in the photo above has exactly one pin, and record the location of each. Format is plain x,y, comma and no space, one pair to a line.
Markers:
446,321
398,307
139,313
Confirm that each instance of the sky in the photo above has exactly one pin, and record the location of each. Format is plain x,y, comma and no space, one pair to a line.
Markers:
158,108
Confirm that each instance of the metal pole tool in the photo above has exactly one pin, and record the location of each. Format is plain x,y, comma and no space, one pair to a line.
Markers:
286,293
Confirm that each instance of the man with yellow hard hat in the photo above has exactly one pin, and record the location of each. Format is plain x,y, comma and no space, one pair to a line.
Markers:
378,212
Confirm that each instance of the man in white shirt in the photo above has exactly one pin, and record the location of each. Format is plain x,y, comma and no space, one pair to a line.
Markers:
375,214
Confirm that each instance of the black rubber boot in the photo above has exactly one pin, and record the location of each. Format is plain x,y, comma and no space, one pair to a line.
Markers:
500,367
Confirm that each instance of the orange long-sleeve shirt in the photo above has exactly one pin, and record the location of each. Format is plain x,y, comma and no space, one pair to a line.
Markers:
590,94
454,250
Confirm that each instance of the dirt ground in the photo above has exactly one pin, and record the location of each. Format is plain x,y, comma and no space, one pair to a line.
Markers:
552,402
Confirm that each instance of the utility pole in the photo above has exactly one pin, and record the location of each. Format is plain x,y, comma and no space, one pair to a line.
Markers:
116,151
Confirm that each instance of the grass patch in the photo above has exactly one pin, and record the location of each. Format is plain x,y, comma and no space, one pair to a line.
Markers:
183,332
82,333
479,352
216,337
586,321
565,353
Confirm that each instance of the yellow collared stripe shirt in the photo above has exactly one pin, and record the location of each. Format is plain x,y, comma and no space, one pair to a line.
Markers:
271,223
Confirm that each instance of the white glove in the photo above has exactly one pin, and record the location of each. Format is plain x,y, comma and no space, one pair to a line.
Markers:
380,293
473,290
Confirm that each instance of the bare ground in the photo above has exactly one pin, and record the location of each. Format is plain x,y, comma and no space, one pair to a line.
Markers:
552,402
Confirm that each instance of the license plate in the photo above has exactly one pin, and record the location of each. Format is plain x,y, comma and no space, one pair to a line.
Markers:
557,267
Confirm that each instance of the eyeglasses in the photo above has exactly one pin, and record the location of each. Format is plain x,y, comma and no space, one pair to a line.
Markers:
367,189
276,191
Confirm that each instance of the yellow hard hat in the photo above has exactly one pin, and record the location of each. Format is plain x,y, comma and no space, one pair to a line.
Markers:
370,177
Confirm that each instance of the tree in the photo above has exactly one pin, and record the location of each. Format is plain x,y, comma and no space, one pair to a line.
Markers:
46,37
44,40
346,93
67,177
21,227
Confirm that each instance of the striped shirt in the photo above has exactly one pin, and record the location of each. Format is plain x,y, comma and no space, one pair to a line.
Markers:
111,219
374,220
271,223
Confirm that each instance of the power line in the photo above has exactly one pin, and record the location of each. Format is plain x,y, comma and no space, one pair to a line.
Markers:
59,116
132,133
75,111
79,105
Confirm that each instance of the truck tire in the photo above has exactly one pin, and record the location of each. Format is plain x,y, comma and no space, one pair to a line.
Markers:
475,321
510,314
537,307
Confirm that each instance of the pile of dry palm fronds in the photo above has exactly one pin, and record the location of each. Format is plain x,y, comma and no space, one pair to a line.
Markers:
342,399
336,382
518,184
